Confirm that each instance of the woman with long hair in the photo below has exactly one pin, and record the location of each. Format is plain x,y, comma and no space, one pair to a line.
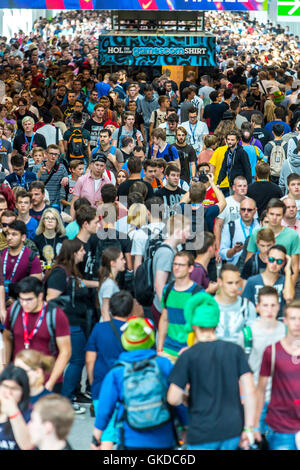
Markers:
122,176
50,235
14,409
64,280
224,126
112,263
36,366
269,109
136,218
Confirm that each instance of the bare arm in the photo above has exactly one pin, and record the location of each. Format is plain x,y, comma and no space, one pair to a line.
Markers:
248,389
90,359
219,195
53,294
193,169
105,309
72,210
295,268
138,259
175,395
218,226
38,276
129,261
64,354
8,346
2,304
161,278
260,398
289,289
162,329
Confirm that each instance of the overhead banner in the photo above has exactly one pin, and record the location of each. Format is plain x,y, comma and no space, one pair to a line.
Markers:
234,5
163,50
288,10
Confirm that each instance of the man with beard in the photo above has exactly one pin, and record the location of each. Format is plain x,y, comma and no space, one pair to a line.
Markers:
187,155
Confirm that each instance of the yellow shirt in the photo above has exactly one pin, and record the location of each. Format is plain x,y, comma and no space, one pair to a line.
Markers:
217,160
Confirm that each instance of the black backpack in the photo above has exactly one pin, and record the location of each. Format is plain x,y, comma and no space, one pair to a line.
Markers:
144,280
76,145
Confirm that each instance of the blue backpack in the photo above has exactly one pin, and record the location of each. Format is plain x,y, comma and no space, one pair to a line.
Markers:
145,395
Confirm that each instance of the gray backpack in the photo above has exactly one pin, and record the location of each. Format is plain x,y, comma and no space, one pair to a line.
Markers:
277,158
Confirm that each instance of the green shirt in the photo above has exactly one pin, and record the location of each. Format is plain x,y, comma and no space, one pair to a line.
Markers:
288,237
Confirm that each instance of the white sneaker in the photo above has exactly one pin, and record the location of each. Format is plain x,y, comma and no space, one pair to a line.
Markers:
78,410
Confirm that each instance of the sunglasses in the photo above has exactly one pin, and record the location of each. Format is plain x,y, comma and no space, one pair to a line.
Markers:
279,261
245,209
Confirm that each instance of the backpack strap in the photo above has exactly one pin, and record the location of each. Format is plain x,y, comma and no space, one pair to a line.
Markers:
56,135
114,328
231,231
119,135
245,308
155,118
30,260
248,339
14,312
168,290
51,324
273,359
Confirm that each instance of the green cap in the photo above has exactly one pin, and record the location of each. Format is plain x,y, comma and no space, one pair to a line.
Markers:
201,310
138,334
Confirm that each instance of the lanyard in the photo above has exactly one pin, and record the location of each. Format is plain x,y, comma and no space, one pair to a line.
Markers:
193,131
28,337
31,141
15,266
243,228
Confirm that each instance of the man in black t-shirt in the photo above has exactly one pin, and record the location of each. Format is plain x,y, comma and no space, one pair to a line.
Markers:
263,190
171,193
135,166
27,140
214,370
187,155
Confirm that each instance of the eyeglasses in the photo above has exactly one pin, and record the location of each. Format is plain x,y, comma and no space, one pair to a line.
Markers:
245,209
279,261
23,301
49,218
53,154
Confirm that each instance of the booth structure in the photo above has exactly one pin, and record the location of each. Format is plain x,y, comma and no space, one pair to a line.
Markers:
173,39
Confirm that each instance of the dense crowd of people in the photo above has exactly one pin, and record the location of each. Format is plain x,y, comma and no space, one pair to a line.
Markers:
150,237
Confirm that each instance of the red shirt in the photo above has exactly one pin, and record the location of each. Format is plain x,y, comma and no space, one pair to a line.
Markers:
41,341
284,409
22,268
210,198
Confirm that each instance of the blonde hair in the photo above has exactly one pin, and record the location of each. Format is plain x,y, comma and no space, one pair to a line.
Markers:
57,410
60,229
137,215
36,360
269,109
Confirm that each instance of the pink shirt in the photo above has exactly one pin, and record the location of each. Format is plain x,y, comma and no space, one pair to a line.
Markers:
85,187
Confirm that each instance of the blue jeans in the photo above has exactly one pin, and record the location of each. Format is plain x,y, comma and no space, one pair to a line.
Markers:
280,440
229,444
73,370
262,420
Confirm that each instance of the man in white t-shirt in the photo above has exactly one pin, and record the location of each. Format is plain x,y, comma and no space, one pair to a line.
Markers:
232,209
196,130
51,133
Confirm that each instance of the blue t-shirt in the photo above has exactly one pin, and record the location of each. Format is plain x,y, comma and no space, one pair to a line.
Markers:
269,126
166,154
72,230
7,438
102,88
210,213
24,181
103,341
255,283
125,167
31,227
35,398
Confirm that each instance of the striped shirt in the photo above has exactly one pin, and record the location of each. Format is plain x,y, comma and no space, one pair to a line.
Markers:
54,188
